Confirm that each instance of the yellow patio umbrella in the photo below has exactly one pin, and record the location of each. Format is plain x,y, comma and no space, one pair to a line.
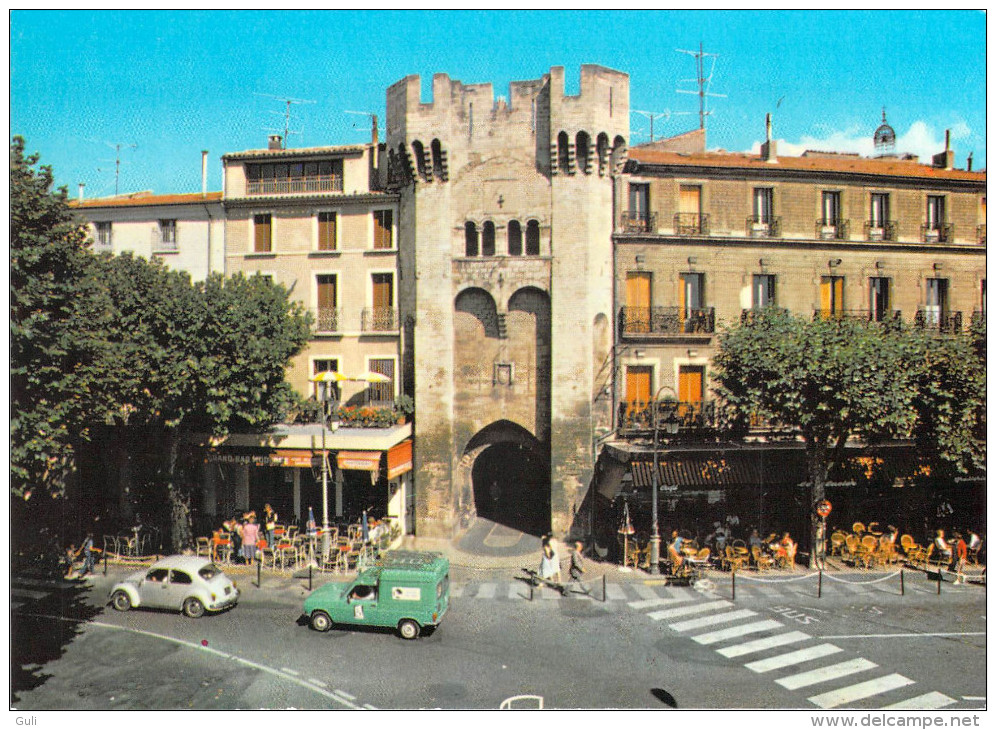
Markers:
371,377
330,376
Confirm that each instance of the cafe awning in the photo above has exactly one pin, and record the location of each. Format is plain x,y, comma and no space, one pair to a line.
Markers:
399,459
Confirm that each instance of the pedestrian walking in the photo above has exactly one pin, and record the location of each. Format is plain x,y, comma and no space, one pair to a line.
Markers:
961,555
269,522
577,568
250,536
549,563
87,551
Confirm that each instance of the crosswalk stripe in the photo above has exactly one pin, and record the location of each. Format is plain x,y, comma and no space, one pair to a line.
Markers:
486,590
651,602
825,674
614,592
768,642
793,657
929,701
686,610
721,618
735,632
856,692
646,592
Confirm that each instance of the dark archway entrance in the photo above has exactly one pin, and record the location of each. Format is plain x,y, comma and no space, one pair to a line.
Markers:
512,488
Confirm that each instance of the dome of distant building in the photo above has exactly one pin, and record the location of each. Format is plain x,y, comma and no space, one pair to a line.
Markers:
885,138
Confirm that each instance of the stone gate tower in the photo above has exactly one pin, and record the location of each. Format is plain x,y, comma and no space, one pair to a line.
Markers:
506,275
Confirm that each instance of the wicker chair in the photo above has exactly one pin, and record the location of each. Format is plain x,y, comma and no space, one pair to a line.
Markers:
761,561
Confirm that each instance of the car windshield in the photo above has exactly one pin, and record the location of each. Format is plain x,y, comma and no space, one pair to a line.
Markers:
209,571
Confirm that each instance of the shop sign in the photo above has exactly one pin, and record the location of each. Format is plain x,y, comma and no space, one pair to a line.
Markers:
281,458
359,460
399,459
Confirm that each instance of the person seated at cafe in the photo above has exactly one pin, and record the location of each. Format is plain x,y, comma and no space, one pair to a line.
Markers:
786,550
718,537
941,545
754,540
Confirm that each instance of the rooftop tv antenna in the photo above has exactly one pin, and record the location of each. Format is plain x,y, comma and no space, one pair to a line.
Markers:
704,81
286,113
116,146
667,113
373,120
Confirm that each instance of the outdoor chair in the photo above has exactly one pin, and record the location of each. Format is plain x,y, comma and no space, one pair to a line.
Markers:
733,560
761,561
915,554
867,548
858,528
973,554
837,543
852,545
286,553
203,547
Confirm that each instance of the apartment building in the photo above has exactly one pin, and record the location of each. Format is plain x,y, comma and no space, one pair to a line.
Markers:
702,238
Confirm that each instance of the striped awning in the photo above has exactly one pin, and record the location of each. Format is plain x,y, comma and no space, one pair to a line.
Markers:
699,471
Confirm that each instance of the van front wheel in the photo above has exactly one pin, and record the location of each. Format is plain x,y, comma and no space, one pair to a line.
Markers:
320,621
408,629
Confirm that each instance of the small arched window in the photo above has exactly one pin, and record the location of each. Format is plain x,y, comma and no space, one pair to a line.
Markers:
514,238
437,159
582,145
418,151
563,161
532,238
602,151
488,239
470,235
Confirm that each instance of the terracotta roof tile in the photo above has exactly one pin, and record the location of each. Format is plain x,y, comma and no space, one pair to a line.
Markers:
146,199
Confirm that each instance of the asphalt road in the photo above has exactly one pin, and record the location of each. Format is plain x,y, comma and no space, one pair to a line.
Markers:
859,645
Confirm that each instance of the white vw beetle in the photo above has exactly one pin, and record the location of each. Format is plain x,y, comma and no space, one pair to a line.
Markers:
181,583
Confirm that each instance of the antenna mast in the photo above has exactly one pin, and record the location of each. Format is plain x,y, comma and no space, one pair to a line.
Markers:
117,160
701,79
287,113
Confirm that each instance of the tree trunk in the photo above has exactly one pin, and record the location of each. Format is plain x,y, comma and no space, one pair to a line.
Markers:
819,468
179,500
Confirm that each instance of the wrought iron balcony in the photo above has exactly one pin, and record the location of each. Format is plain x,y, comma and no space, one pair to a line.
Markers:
691,224
935,320
880,230
978,315
326,320
832,230
634,221
379,319
980,233
757,228
662,321
307,184
886,316
937,232
757,313
637,416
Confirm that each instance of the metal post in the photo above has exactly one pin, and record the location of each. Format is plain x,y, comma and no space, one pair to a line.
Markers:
939,579
105,562
259,573
819,586
604,597
733,584
655,537
902,583
530,591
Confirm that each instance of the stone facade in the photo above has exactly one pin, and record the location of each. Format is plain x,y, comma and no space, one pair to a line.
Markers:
506,270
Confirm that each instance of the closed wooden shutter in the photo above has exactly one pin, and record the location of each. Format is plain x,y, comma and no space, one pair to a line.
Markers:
383,291
326,231
638,301
638,386
690,381
263,233
690,200
383,222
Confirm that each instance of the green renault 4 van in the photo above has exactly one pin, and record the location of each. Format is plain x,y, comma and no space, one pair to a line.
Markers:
405,590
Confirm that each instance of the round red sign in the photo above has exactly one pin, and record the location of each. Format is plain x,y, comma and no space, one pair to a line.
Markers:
823,507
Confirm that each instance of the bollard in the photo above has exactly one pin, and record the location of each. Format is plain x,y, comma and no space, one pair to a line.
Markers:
733,584
259,574
902,583
530,590
819,585
309,579
939,579
105,562
604,596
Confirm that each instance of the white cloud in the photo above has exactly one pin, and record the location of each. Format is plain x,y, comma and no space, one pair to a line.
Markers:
920,139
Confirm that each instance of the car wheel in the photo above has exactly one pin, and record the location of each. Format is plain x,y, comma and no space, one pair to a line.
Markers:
408,629
193,608
121,601
320,621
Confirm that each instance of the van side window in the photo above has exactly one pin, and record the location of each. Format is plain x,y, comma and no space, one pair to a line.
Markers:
362,593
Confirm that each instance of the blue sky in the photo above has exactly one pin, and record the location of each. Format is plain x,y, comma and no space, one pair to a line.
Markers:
176,82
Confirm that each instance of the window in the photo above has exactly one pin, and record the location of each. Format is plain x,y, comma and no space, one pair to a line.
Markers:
326,294
532,238
103,234
167,232
878,299
879,213
326,231
830,208
178,577
638,287
935,212
514,238
937,301
563,153
488,239
159,575
763,291
689,218
638,379
326,365
267,178
691,295
470,238
382,392
381,317
263,233
383,223
831,296
637,218
764,206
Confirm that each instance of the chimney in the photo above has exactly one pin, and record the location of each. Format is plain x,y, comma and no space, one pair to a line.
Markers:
276,142
769,150
970,161
83,185
945,159
204,173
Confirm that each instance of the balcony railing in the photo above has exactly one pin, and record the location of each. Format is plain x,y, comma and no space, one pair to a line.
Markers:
980,233
937,233
691,224
757,228
379,319
689,415
888,316
657,321
880,230
159,243
311,184
326,320
633,221
832,230
929,319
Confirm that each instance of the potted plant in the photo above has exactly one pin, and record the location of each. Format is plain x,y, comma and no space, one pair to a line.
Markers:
404,406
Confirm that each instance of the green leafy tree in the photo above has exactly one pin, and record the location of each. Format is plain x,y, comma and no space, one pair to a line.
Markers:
831,380
47,259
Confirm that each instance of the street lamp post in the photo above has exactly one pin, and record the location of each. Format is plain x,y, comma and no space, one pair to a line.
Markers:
655,537
326,394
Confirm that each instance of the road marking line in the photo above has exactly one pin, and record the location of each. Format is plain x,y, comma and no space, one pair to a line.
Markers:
825,674
793,657
344,694
856,692
645,591
651,602
614,592
929,701
769,642
905,636
735,632
486,590
216,652
971,698
685,610
25,593
319,682
698,623
290,671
